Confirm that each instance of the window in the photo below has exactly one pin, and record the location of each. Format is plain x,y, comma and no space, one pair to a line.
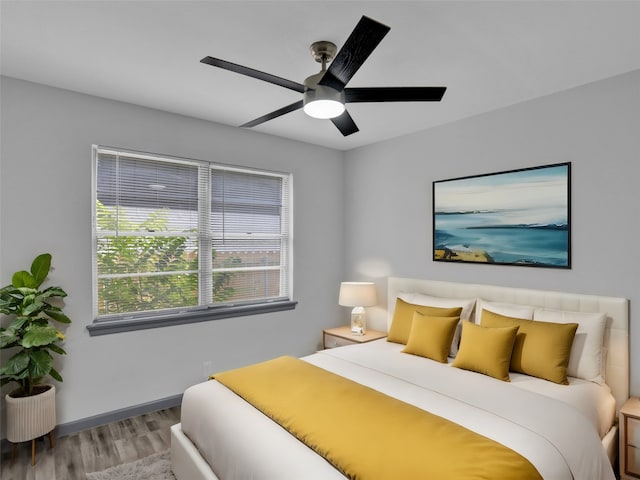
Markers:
181,240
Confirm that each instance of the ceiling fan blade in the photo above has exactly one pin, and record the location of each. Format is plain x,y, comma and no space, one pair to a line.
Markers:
394,94
363,40
270,116
250,72
345,124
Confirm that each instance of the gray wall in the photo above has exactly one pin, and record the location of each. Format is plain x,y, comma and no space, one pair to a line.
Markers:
596,127
375,223
45,206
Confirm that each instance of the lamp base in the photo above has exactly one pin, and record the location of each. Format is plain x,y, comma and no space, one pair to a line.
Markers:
358,321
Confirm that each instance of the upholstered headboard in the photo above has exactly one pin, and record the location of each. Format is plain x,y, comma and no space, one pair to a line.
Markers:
617,310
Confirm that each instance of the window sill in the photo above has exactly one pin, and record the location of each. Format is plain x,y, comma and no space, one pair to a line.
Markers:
107,327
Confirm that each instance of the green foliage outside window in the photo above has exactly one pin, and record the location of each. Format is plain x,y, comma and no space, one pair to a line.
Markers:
138,273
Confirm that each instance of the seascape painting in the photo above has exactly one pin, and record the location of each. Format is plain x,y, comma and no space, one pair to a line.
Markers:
519,217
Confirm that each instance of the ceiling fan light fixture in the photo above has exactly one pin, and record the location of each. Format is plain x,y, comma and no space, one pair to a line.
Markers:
323,102
324,109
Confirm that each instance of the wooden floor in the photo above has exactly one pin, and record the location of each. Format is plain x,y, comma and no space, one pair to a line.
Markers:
92,450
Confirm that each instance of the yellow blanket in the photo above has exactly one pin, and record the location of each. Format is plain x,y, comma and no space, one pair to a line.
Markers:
366,434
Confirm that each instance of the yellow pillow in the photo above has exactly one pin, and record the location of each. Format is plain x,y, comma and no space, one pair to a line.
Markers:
486,350
541,349
431,337
403,317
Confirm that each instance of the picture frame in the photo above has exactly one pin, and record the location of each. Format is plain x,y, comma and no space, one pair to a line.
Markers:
516,217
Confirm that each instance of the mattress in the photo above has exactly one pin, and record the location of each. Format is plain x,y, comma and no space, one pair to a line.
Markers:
557,428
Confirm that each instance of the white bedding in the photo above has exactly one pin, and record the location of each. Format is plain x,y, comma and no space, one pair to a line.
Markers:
593,400
560,438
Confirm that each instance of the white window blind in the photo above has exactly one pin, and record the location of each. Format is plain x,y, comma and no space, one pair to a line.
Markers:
174,234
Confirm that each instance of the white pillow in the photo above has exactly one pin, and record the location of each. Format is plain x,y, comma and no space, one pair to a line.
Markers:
587,352
466,304
507,309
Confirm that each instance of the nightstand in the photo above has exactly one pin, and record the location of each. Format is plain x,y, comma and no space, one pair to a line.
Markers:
630,439
341,336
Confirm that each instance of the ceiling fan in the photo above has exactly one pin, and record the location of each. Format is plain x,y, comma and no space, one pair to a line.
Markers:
325,93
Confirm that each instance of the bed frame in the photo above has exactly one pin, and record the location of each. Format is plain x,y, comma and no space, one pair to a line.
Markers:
187,464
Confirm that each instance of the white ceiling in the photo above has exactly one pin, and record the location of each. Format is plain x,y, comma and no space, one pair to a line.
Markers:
489,55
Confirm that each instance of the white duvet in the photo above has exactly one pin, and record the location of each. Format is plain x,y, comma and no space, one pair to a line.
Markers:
561,440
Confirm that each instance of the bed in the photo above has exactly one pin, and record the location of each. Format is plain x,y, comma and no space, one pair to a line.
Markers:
563,431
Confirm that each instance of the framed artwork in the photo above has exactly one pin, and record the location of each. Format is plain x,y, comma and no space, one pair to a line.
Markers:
517,217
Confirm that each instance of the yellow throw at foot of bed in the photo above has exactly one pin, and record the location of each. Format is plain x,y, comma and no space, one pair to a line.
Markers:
366,434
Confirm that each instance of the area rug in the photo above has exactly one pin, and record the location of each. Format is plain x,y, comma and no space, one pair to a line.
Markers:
153,467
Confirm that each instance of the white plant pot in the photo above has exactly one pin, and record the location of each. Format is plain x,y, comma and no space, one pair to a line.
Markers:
31,417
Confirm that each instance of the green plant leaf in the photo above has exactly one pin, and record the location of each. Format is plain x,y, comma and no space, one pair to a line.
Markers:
42,321
8,290
38,335
23,279
54,373
16,364
8,339
57,315
40,268
53,292
18,323
34,307
7,306
40,365
56,348
26,291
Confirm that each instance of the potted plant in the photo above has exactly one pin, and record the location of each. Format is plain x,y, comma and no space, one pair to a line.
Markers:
30,408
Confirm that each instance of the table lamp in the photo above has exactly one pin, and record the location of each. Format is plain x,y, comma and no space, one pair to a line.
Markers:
358,295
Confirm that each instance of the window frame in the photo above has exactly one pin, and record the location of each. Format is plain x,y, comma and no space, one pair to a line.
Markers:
118,323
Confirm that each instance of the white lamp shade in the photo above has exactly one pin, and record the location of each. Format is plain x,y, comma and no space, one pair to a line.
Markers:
357,294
